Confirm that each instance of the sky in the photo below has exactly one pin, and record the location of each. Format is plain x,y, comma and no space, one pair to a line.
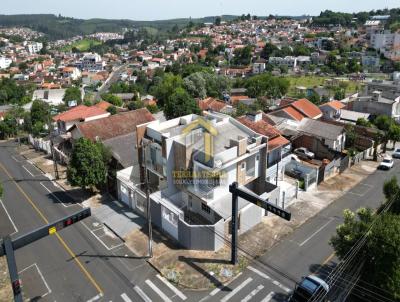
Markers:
168,9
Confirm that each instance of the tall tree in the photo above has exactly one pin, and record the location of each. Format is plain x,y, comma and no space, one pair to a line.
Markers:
180,103
87,167
72,94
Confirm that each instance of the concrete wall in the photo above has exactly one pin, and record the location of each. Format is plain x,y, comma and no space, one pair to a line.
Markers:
314,145
250,216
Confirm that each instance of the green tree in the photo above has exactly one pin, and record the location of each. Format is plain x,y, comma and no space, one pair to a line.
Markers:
112,110
384,123
38,129
112,99
217,21
135,105
152,108
163,90
314,98
394,134
40,112
87,167
363,122
180,103
72,94
268,51
391,188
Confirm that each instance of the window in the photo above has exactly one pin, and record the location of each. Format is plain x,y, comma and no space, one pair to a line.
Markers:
205,208
243,165
258,157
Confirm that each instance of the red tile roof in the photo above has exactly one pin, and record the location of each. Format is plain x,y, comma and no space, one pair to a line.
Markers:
307,108
115,125
103,105
277,142
80,112
335,104
235,99
211,104
261,127
298,116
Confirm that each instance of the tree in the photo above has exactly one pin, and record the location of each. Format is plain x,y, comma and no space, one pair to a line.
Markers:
391,188
40,112
180,103
268,51
339,94
152,108
163,90
72,94
87,167
384,123
112,99
363,122
217,21
314,98
112,110
394,134
135,105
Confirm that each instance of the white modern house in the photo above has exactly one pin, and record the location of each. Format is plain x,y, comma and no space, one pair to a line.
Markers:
191,161
34,47
5,62
91,62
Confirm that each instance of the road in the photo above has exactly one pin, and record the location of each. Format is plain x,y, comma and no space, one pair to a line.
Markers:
113,77
85,263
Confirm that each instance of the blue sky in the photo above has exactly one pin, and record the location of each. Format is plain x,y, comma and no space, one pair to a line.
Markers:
167,9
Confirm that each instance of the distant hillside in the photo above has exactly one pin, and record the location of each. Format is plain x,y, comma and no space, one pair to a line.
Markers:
59,27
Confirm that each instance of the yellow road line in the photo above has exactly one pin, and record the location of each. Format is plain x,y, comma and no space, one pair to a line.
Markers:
323,263
66,247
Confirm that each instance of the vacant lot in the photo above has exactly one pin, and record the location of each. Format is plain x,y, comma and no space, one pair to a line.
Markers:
82,45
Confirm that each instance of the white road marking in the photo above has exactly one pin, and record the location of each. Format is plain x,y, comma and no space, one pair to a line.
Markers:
142,294
18,161
118,204
9,217
268,297
357,194
158,291
41,276
253,293
316,232
28,171
95,298
171,287
125,297
98,238
58,199
265,276
236,290
218,289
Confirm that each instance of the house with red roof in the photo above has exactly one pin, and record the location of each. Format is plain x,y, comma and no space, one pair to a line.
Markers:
78,114
332,110
212,104
297,110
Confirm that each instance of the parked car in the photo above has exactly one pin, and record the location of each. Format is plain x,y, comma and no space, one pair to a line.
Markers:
311,286
304,153
386,164
396,153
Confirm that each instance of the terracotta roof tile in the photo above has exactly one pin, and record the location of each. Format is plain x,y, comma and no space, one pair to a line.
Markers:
80,112
298,116
115,125
277,142
103,105
261,127
211,104
335,104
307,108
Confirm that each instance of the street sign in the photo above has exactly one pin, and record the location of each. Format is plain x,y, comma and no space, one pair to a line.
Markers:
255,199
265,204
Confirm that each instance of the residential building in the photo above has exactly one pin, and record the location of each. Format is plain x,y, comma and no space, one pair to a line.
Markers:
214,105
66,120
50,96
5,62
192,160
387,43
259,66
332,110
333,136
371,63
290,62
91,62
34,47
71,72
297,110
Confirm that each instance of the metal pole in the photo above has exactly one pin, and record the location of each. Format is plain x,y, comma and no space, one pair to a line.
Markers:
150,230
12,268
234,259
55,166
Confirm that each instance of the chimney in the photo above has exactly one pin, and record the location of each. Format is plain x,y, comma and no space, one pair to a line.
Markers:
254,116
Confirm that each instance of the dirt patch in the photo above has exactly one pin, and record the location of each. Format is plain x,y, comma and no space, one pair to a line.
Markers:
6,294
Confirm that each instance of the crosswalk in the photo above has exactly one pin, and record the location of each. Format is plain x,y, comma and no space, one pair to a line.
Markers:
252,285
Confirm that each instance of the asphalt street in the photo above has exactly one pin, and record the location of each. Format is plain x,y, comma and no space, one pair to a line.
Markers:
86,263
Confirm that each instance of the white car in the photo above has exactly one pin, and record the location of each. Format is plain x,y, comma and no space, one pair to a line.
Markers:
304,153
396,153
386,164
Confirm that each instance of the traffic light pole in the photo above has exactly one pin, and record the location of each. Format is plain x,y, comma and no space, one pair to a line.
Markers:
12,269
8,246
255,199
234,224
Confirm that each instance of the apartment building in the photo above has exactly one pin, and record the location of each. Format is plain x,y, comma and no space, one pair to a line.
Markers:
34,47
191,161
91,62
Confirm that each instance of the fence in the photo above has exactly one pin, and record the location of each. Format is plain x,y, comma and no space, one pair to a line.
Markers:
302,172
40,144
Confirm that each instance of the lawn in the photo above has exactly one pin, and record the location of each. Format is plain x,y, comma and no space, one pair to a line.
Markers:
82,45
312,81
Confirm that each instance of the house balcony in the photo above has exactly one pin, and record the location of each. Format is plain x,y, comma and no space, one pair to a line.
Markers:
264,189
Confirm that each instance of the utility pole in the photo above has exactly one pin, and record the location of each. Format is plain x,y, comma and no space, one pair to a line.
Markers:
146,178
55,166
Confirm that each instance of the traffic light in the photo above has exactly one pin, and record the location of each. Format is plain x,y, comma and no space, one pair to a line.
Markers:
74,218
16,287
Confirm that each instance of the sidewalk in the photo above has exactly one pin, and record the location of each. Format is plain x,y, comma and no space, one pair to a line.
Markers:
6,294
204,270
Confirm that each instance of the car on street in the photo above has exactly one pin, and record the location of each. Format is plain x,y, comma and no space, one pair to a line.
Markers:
304,153
386,164
396,153
310,286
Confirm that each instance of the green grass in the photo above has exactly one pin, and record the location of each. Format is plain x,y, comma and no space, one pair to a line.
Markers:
82,45
313,81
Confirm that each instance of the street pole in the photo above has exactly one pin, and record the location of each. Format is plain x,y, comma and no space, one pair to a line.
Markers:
55,166
234,261
12,267
150,229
